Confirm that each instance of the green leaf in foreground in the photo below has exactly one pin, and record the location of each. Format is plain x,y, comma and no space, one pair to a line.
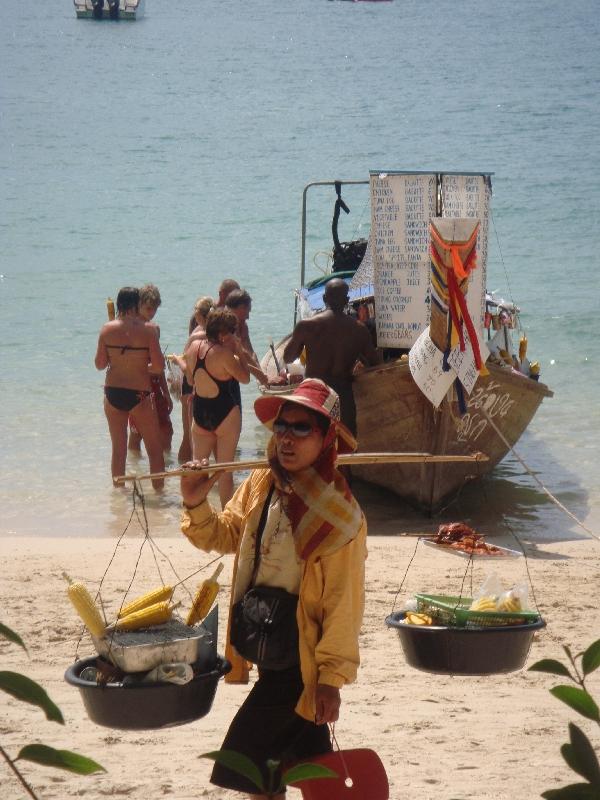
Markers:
303,772
550,665
238,763
577,699
29,691
11,636
62,759
574,791
580,756
591,658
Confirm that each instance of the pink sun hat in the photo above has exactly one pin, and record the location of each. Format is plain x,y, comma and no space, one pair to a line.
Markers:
315,395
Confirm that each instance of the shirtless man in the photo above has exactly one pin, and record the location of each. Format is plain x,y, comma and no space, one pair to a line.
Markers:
129,351
240,302
333,342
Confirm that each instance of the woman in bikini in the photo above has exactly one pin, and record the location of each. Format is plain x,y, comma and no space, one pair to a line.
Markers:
129,351
197,331
215,366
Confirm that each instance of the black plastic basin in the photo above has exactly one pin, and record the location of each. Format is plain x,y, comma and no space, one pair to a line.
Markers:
144,706
464,651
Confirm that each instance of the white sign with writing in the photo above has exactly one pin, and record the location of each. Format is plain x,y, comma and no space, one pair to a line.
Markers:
401,206
463,363
425,363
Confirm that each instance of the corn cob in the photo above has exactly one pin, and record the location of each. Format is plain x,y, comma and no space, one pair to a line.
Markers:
205,597
156,614
148,599
85,607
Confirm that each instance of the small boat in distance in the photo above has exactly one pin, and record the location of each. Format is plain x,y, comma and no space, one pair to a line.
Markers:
109,9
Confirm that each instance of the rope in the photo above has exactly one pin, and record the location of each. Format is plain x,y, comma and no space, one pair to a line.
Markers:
341,754
137,495
554,499
405,574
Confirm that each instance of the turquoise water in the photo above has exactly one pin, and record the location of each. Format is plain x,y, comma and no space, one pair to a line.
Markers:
175,150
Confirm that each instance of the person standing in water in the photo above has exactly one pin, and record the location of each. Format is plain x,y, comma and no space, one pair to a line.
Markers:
129,351
150,300
333,343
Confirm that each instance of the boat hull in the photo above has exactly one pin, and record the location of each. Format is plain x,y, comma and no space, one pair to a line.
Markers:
394,415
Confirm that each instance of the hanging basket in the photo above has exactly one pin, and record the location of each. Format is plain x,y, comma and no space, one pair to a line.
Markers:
465,651
141,706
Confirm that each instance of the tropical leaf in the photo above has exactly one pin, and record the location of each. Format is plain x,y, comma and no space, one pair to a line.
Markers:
590,660
303,772
61,759
580,756
238,763
12,636
29,691
550,665
577,699
575,791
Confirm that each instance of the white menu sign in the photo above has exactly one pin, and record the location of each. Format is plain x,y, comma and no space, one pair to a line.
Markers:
401,206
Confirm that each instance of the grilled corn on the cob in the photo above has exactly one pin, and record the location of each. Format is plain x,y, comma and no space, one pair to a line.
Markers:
156,614
148,599
86,607
205,597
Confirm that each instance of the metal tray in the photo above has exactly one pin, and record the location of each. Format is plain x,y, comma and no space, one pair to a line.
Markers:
172,642
505,552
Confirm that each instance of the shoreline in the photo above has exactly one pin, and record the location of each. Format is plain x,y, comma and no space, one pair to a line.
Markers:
438,736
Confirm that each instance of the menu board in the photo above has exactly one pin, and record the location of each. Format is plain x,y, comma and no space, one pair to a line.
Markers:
401,206
469,196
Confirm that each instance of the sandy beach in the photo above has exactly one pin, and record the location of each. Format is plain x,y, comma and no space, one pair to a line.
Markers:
445,737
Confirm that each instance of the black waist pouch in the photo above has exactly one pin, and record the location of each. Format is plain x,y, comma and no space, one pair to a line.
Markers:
264,629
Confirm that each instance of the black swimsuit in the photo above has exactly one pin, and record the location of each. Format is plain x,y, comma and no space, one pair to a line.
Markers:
209,412
120,398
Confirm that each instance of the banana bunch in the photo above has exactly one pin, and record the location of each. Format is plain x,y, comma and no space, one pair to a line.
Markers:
413,618
484,604
510,602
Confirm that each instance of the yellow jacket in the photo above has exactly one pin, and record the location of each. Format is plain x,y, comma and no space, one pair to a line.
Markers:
331,599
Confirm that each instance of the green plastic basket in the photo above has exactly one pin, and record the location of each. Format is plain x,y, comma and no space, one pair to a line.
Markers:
450,610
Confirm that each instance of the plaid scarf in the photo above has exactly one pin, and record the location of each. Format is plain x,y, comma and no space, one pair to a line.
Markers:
321,508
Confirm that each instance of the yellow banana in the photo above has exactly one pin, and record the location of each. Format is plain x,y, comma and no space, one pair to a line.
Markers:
511,604
484,604
412,618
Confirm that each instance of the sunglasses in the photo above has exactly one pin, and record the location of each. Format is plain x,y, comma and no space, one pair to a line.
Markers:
300,430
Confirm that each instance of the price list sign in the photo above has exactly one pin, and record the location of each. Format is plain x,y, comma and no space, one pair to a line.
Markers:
401,206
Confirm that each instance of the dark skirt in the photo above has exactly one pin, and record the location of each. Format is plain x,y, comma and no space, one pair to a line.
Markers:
267,727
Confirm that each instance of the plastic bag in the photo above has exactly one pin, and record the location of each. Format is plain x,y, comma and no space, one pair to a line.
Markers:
492,596
177,673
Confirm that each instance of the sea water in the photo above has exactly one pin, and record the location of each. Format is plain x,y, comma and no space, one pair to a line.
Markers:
175,149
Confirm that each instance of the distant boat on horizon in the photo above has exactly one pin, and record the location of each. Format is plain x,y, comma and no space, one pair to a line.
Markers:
109,9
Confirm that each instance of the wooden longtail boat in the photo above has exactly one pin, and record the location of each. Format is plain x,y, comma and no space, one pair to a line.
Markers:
394,415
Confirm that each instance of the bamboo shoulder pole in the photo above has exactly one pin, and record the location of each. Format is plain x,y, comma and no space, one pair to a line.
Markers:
349,459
